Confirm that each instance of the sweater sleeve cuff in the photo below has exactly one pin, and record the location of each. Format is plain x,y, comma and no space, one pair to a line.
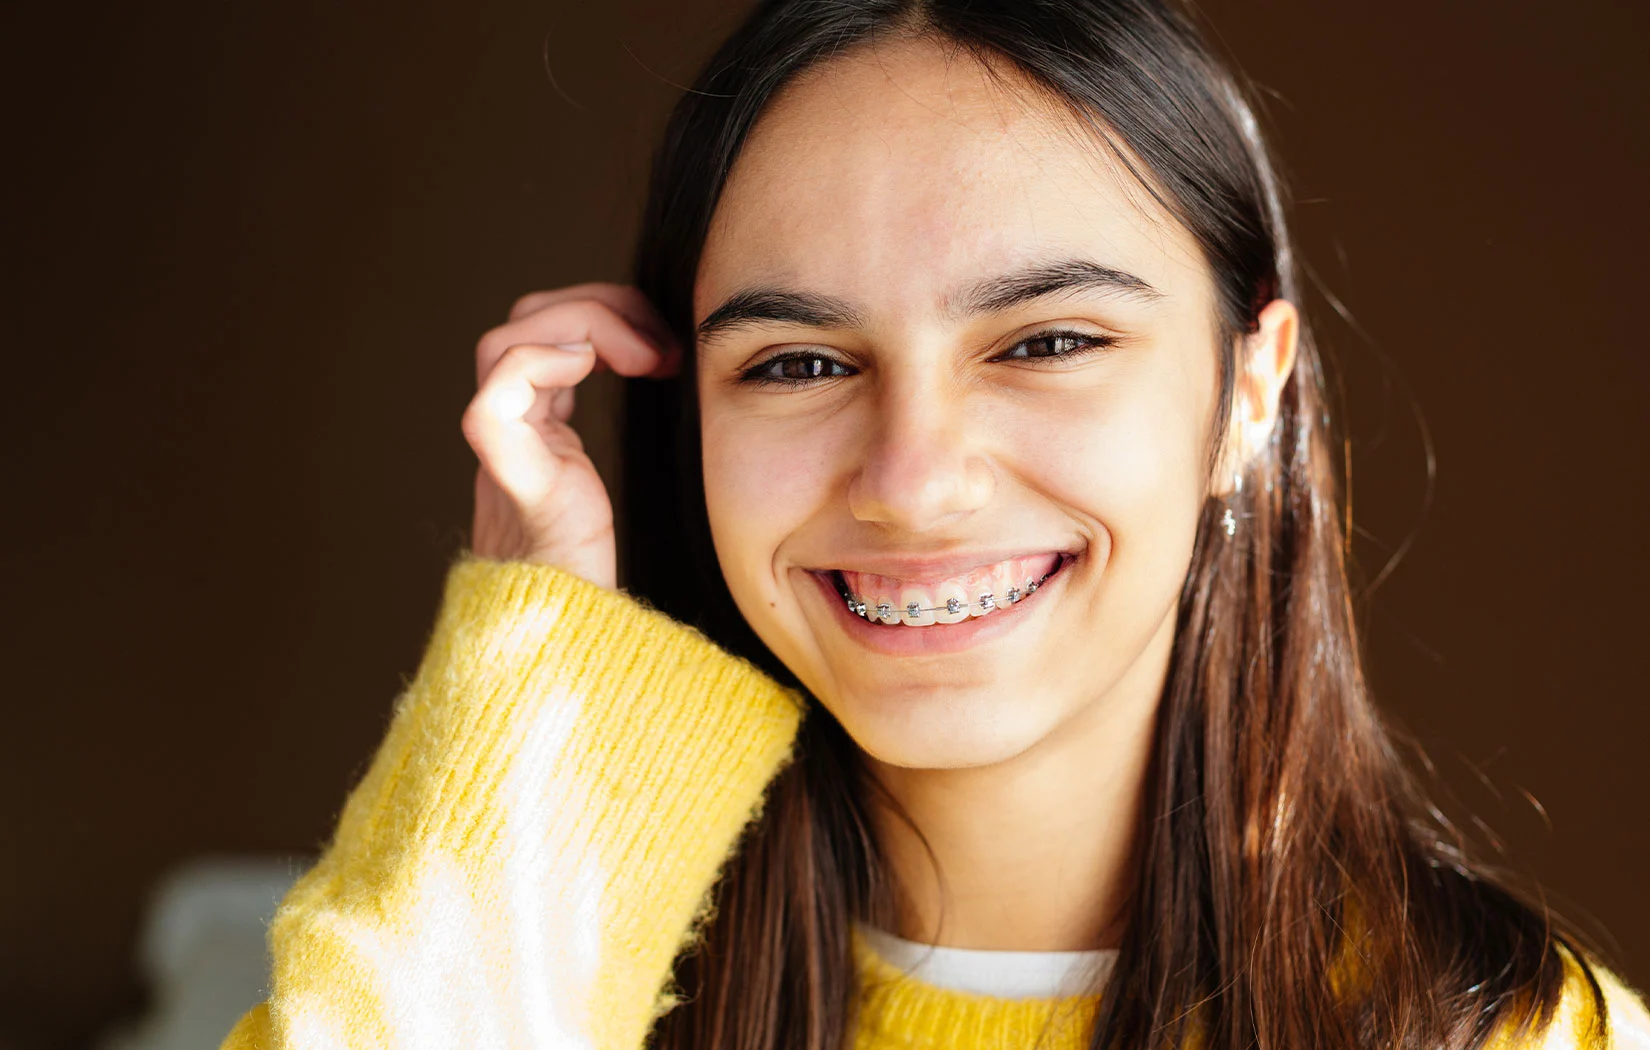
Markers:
572,767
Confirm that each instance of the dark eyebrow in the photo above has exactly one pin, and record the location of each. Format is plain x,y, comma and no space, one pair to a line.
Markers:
1062,277
774,304
992,295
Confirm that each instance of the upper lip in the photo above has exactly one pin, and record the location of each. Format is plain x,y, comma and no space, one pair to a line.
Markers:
935,566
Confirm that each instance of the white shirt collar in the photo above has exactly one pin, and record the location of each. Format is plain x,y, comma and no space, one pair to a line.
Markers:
1000,974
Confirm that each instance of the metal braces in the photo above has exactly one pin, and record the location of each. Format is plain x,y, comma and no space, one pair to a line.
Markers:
953,606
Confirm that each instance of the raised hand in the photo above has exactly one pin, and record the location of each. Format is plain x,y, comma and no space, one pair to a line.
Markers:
538,497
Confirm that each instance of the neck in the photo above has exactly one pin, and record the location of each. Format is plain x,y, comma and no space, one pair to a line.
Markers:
1035,853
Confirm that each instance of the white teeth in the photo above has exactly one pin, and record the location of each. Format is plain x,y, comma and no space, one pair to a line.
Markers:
948,603
916,607
952,601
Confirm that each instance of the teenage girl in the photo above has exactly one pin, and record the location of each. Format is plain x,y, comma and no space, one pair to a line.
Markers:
986,450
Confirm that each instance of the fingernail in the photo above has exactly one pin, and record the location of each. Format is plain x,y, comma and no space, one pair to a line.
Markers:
574,348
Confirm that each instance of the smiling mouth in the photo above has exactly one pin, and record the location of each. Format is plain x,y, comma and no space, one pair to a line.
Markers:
988,591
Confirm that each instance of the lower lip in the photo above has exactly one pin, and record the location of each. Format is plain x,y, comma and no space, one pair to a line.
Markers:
901,640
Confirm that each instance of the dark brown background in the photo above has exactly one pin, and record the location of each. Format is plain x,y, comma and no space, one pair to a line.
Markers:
251,246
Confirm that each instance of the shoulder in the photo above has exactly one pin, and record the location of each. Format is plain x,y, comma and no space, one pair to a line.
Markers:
1629,1019
1574,1026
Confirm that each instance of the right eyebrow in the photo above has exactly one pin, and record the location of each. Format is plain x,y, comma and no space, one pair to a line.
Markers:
773,304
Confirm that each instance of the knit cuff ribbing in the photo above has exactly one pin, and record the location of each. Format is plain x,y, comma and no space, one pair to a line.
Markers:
673,745
562,780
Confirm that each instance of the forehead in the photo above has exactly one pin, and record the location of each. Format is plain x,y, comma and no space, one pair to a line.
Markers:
892,173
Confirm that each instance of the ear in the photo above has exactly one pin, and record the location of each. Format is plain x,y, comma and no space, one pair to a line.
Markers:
1265,359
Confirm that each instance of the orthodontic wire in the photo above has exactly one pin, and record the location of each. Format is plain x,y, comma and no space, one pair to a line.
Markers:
953,606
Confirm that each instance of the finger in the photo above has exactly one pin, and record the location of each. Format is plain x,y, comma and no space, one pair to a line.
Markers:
510,446
625,299
542,367
561,404
627,303
615,340
512,452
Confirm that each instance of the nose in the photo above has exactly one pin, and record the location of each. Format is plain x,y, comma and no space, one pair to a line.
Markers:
922,467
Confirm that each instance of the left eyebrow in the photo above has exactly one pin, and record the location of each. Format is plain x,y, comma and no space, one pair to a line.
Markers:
991,295
1038,281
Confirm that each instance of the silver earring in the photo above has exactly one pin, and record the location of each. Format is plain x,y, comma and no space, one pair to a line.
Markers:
1228,520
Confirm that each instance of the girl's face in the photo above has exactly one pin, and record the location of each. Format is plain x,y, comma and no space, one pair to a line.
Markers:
946,346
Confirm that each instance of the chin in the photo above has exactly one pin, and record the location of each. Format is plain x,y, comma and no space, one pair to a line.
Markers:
935,728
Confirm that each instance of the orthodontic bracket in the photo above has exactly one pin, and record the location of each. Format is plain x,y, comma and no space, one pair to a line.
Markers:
987,603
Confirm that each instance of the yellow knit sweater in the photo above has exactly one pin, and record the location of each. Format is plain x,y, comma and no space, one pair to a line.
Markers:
558,788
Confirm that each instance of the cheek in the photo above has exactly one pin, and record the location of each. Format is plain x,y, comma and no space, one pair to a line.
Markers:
1127,458
764,478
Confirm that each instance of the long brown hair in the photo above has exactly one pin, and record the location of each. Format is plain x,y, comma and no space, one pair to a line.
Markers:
1295,887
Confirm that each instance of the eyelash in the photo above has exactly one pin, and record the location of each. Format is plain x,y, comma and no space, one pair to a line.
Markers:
1090,344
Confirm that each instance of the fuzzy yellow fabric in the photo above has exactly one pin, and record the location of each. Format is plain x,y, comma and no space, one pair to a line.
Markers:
538,834
897,1010
900,1011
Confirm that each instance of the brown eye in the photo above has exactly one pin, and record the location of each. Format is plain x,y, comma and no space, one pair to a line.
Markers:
797,369
803,367
1056,344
